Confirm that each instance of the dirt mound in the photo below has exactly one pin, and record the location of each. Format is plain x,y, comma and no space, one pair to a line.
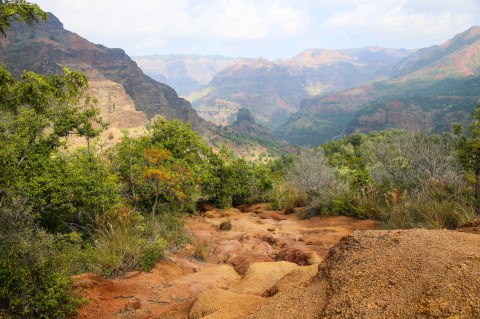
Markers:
389,274
472,226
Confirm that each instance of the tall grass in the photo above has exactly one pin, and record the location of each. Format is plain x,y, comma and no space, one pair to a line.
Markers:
430,208
126,240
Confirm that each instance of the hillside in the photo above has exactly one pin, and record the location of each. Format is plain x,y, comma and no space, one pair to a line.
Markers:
127,98
273,90
42,49
430,89
185,73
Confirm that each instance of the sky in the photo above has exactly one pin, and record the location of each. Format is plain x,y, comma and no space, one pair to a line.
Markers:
270,29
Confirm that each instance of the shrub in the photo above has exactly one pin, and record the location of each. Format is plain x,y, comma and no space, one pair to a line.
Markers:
426,209
285,196
34,279
118,247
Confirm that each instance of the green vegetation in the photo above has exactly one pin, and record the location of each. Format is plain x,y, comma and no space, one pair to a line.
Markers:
401,178
65,211
274,147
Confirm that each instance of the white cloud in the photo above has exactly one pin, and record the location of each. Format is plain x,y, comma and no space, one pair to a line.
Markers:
406,22
269,28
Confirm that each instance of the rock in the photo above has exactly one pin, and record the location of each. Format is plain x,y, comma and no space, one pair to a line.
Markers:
262,276
191,285
299,255
226,225
294,279
241,262
272,215
223,304
133,305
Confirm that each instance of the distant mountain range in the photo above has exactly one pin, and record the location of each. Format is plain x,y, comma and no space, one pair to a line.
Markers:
428,90
322,94
273,90
186,73
306,100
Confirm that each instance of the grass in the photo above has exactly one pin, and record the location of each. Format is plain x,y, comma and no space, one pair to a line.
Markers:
201,250
126,240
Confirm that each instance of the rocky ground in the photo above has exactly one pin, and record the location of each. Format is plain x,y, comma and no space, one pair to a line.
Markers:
271,265
239,273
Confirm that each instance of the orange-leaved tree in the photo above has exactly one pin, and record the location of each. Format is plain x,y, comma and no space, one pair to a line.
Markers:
167,177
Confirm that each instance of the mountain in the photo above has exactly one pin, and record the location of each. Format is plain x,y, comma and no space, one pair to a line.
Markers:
264,87
273,90
185,73
126,95
427,91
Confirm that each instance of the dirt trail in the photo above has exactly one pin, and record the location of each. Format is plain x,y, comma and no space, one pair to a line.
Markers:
258,237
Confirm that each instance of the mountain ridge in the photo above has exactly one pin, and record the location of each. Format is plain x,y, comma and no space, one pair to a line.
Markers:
430,89
43,48
273,90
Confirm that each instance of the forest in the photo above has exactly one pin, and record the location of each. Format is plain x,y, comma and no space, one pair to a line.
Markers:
65,210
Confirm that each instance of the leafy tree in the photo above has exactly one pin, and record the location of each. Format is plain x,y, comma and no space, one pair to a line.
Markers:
37,113
235,181
12,11
165,167
468,153
168,178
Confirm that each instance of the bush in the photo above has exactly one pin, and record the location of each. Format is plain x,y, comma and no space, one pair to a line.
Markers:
426,210
285,196
34,279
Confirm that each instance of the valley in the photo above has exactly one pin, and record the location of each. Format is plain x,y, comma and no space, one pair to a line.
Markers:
320,95
334,183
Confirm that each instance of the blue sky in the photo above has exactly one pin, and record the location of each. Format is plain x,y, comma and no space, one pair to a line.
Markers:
263,28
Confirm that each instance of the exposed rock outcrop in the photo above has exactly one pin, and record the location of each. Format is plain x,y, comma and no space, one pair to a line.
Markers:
245,123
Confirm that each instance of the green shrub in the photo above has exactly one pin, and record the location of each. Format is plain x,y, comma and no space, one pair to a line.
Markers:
151,253
285,196
34,278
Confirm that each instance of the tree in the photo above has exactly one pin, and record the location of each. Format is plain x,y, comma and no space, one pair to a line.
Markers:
468,153
166,166
167,177
12,11
37,112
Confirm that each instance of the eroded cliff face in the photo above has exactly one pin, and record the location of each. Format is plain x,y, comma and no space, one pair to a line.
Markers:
48,45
